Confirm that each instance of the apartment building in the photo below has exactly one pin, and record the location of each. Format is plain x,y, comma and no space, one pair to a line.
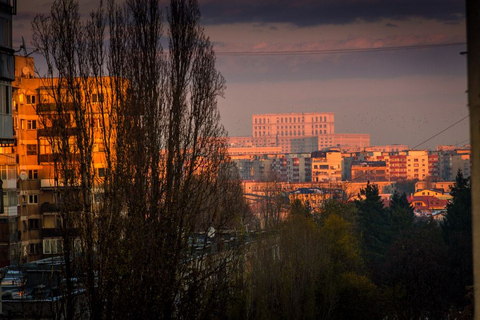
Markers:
39,220
327,166
274,167
8,174
451,161
369,171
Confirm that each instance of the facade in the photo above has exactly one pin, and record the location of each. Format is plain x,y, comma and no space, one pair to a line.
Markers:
39,220
7,66
451,161
274,167
351,141
300,133
327,166
8,173
292,124
388,148
369,171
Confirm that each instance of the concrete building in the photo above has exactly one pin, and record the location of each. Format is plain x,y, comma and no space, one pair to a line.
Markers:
7,67
451,161
8,173
298,133
39,219
388,148
369,171
327,166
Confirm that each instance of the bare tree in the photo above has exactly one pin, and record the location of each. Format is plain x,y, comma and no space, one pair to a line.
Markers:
166,180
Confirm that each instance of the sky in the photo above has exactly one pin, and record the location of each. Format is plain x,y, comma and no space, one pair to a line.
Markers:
397,96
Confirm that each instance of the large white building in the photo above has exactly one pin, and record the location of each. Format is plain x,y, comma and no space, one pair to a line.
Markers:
302,132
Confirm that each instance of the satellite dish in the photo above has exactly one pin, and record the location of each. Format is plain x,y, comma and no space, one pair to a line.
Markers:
23,175
25,71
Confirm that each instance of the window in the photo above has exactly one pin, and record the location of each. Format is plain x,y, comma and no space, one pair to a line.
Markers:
35,248
102,172
31,149
52,246
32,198
30,99
32,174
33,224
97,97
31,124
5,99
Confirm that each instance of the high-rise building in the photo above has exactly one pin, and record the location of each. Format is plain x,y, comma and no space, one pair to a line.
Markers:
7,66
8,173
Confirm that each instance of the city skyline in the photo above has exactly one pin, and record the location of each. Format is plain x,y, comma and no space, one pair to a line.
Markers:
397,96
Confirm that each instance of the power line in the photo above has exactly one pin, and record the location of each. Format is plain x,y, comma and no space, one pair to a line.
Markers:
462,142
441,132
337,51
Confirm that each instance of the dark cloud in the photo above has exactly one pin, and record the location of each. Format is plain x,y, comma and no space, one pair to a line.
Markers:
309,12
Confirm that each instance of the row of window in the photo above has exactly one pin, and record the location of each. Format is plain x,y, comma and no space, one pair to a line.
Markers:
31,99
50,246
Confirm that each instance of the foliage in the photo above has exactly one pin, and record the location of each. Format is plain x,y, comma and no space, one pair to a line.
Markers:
414,271
373,223
401,215
457,232
406,186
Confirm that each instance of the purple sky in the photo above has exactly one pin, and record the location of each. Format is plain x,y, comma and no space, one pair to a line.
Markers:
401,97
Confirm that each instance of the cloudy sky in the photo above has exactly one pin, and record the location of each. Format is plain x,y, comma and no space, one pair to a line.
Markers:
402,95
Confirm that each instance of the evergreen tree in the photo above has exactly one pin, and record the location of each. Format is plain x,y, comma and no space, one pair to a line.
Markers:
415,263
401,214
457,232
373,223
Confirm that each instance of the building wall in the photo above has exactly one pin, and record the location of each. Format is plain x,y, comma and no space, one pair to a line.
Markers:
326,166
7,70
292,124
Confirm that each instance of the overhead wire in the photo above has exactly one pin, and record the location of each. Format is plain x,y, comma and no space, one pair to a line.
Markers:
437,134
337,51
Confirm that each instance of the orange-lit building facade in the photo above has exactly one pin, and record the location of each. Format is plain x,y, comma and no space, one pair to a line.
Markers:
39,221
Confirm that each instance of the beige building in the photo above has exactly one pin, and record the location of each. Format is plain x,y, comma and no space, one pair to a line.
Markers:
292,124
298,132
327,166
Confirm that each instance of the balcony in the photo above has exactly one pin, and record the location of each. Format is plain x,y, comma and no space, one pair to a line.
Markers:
52,107
51,232
50,132
48,207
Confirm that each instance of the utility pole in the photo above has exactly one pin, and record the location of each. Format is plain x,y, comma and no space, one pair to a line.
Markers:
473,65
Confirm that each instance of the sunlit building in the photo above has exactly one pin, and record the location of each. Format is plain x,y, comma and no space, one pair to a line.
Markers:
39,220
327,166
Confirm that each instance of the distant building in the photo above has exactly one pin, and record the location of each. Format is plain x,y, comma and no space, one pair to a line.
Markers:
388,148
326,166
297,133
369,171
451,161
